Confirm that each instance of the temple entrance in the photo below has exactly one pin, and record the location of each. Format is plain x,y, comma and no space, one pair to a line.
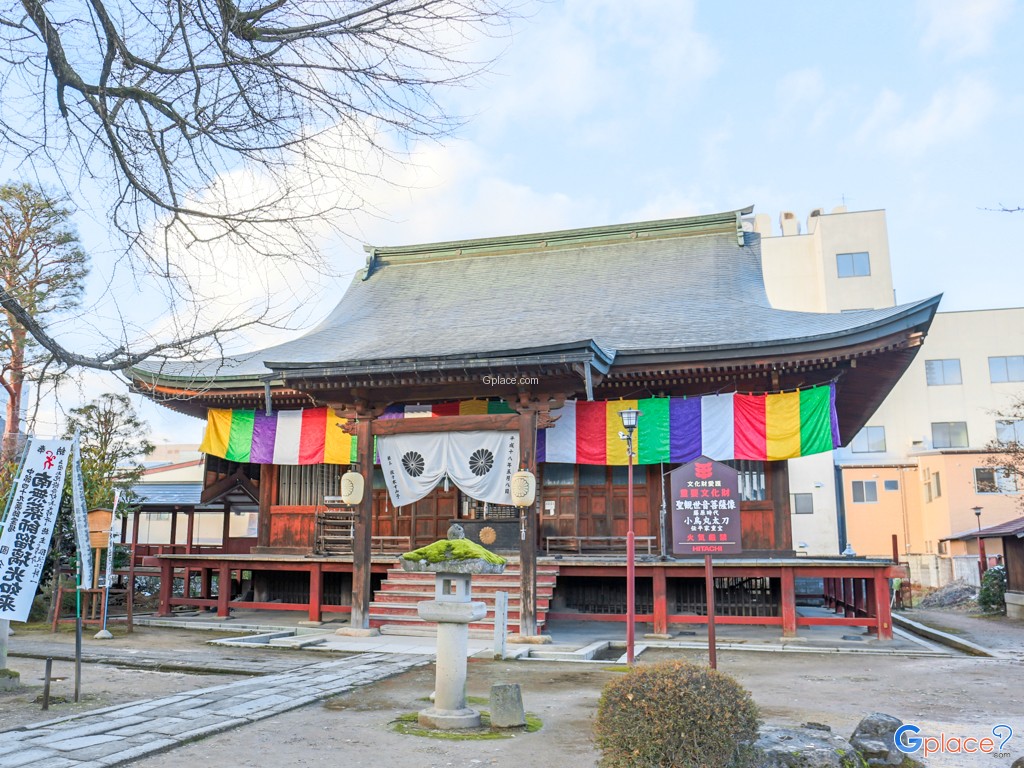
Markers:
423,522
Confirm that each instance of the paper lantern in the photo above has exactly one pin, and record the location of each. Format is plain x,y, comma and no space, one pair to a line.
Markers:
524,488
351,488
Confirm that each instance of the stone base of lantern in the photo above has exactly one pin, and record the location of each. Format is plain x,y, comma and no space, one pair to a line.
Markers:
449,719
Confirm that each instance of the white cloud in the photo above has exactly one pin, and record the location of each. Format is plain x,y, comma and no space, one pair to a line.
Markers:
802,103
961,28
955,112
581,59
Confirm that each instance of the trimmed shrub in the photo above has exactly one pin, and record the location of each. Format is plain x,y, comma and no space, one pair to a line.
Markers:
675,715
992,595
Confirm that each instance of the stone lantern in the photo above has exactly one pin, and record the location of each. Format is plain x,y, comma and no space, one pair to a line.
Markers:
454,561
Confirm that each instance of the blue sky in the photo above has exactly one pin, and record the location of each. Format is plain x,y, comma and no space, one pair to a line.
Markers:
605,111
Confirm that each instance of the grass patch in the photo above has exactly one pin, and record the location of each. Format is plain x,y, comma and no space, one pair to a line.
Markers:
616,668
408,725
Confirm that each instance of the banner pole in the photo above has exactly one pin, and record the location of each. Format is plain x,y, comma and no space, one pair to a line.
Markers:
78,631
104,634
709,579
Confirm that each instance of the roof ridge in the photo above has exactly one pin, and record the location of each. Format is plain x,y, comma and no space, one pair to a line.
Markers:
724,222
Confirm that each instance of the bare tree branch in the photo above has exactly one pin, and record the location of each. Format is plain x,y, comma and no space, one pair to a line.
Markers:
217,123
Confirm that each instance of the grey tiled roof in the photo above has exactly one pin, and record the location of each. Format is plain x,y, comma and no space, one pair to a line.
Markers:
168,493
697,294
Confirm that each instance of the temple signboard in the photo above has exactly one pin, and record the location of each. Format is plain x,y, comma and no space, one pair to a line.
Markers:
705,509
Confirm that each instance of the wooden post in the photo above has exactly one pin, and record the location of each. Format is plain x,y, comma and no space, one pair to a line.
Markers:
881,588
131,568
190,531
174,530
362,531
709,582
268,487
205,583
851,600
166,587
788,602
660,601
224,591
316,583
870,604
528,540
225,534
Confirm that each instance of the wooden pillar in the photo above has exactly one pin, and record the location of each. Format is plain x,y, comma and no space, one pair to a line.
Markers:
660,601
224,591
174,530
361,556
850,599
884,614
316,583
788,602
268,491
190,531
782,531
205,583
225,533
166,587
528,540
130,597
870,604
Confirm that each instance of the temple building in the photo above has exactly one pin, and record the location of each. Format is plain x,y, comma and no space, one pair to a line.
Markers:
448,366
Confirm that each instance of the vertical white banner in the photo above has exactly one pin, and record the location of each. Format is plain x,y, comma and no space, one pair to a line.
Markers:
108,576
33,512
81,513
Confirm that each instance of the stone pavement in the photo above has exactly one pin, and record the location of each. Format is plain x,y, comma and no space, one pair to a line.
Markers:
126,732
246,661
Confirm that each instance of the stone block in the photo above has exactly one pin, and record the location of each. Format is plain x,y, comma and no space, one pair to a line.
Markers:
26,757
507,706
875,739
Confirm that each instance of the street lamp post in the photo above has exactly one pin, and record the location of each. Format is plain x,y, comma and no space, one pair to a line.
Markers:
629,419
982,566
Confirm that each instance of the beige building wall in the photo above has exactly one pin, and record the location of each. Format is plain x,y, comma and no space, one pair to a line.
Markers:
801,271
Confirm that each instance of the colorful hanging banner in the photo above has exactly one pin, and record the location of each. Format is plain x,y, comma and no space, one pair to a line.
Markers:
759,427
458,408
307,436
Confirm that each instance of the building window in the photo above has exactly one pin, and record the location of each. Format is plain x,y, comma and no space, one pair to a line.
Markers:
942,372
803,503
869,440
620,475
308,484
752,479
891,485
592,474
1002,369
865,492
994,480
949,434
1010,431
853,264
559,474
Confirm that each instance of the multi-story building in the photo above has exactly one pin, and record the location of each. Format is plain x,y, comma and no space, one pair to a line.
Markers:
921,469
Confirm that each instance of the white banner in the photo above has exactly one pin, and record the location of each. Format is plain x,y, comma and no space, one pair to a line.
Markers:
481,464
29,526
81,513
112,539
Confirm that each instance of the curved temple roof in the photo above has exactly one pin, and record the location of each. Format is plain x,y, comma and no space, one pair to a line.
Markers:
681,288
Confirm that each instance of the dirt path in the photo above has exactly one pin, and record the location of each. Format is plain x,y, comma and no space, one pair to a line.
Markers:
959,696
